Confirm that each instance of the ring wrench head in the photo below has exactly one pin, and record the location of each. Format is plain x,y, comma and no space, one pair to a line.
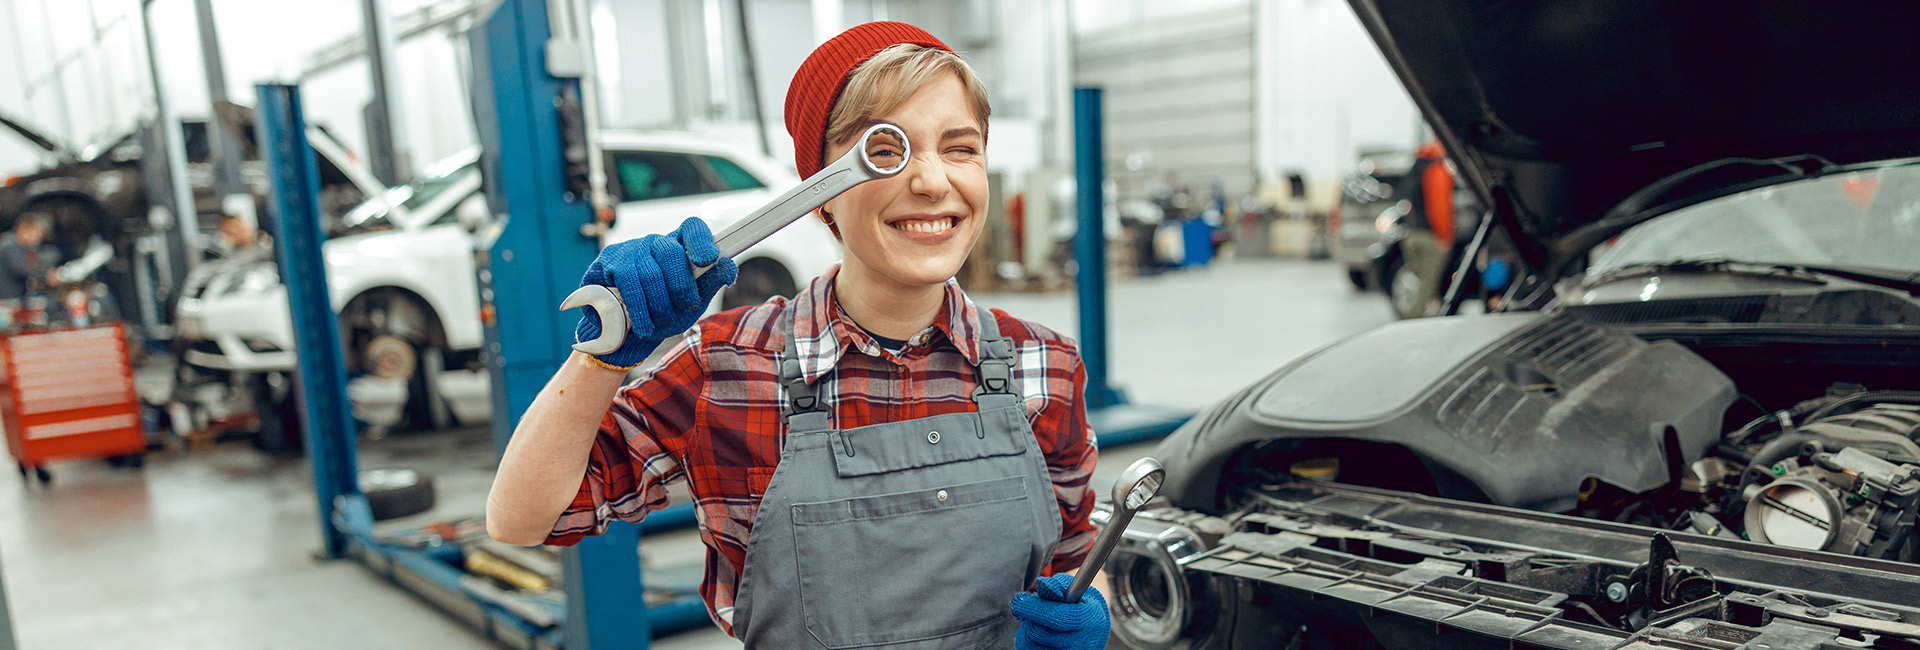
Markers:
887,141
1138,484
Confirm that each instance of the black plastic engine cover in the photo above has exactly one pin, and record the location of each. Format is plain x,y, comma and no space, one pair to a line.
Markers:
1524,406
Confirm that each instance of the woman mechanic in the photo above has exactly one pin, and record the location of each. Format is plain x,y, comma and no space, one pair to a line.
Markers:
877,463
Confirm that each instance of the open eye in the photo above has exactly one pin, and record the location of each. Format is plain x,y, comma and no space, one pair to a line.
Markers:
882,146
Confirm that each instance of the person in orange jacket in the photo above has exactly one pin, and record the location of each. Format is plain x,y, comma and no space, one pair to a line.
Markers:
1429,217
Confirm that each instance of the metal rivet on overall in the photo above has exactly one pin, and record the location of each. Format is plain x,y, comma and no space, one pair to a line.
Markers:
933,437
941,495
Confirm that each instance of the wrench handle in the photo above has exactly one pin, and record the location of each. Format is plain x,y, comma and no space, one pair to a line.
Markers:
1103,545
850,170
792,206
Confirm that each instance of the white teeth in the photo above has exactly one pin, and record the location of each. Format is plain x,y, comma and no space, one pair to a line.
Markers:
926,225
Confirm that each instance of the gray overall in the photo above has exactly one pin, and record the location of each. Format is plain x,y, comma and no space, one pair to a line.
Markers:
911,534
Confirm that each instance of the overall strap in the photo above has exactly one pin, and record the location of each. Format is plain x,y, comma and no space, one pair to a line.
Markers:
995,371
804,412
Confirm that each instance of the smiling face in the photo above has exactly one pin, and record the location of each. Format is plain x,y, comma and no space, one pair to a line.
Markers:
916,229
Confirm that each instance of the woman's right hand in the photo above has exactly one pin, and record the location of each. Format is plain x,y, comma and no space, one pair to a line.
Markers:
654,277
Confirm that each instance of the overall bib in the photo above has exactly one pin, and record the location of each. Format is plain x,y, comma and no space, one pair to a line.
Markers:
904,535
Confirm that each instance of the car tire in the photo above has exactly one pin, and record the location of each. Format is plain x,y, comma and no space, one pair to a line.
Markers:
395,493
402,353
1358,278
760,279
280,427
392,357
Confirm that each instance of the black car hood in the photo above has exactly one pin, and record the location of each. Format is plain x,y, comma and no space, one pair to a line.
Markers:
1562,114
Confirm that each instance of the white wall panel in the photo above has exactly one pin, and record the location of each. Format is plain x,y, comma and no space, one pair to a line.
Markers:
1179,95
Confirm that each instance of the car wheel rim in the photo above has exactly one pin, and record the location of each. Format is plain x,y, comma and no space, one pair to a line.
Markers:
390,357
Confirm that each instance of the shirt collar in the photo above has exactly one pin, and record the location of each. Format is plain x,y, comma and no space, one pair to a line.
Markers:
823,333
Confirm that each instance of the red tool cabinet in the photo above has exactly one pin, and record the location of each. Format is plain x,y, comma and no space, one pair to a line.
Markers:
69,395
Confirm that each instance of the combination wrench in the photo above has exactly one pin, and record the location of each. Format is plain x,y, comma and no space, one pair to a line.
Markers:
1136,485
855,167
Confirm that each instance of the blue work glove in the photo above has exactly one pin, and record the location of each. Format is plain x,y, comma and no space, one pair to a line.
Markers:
1047,622
653,278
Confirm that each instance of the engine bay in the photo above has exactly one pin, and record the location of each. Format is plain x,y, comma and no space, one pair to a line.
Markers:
1309,560
1581,477
1820,452
1811,447
1310,564
1837,473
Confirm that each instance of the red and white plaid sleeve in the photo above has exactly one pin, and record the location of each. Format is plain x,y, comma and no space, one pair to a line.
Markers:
635,455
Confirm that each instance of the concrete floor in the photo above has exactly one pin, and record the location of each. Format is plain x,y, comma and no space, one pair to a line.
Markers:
215,548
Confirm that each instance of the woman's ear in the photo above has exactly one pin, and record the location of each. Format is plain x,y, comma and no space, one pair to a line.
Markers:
827,218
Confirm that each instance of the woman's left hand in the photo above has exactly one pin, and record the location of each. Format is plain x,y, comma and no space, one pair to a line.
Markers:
1047,622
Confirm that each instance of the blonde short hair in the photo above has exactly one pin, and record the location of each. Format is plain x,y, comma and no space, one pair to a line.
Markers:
883,82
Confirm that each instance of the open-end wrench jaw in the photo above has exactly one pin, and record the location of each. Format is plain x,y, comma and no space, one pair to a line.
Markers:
613,317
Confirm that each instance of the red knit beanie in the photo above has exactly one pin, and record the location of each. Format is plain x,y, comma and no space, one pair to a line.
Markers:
817,85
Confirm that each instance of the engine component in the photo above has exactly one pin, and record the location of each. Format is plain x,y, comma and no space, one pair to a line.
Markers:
1846,483
1848,502
1319,564
1707,472
1513,409
1152,600
1658,589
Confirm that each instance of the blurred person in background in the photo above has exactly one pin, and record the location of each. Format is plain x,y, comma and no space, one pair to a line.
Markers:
236,238
1429,219
20,256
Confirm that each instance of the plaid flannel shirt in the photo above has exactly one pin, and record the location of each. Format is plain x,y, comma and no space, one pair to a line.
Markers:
710,413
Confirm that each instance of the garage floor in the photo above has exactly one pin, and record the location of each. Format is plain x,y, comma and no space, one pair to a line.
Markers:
215,548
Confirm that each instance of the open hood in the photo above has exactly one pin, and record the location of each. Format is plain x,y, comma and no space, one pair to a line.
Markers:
1577,119
245,122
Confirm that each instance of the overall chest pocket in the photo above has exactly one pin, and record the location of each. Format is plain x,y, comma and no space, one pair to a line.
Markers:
932,569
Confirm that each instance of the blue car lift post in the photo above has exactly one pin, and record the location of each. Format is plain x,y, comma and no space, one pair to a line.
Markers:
530,260
536,249
1114,419
346,523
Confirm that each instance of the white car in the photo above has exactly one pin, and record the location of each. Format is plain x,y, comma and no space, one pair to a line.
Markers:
400,270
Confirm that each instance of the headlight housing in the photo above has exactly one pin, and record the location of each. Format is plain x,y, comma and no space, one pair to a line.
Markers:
1152,602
